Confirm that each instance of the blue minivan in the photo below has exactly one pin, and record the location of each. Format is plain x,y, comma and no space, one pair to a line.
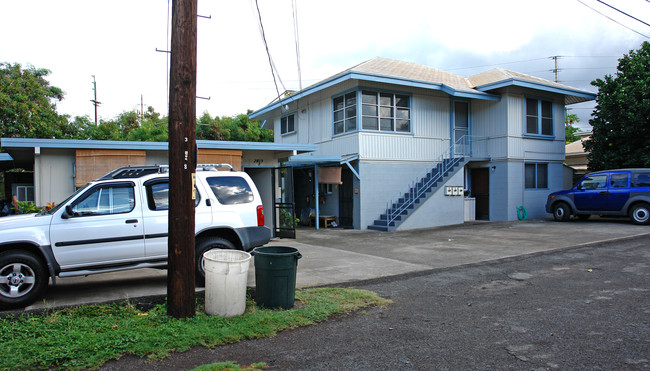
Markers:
623,192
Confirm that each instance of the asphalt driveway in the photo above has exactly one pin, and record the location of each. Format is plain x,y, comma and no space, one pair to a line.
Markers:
569,309
334,256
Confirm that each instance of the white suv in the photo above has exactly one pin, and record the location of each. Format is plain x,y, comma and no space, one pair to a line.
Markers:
119,222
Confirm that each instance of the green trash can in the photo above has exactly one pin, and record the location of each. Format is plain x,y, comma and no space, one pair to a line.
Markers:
275,276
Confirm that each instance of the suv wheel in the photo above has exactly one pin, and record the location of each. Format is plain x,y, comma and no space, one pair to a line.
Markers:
561,212
207,244
640,213
22,279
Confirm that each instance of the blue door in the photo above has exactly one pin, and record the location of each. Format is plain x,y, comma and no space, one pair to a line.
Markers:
591,193
619,190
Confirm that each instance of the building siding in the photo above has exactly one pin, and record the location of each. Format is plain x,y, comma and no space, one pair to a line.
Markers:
380,182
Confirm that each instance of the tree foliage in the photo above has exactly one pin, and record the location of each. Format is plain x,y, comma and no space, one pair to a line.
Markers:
621,119
27,107
27,110
235,128
570,130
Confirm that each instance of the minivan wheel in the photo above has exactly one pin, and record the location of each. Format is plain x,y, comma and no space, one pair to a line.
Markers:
640,213
561,212
22,279
207,244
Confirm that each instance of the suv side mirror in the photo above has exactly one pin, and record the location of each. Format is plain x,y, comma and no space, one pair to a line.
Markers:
67,213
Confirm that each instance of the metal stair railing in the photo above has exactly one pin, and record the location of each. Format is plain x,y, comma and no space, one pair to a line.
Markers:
420,185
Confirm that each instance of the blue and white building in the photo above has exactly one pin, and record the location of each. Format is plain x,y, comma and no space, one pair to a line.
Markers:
419,147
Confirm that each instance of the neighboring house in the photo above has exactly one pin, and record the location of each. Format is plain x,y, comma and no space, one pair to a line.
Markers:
409,141
576,156
51,169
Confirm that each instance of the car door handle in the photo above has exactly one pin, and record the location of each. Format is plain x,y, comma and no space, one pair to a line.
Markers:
604,193
131,221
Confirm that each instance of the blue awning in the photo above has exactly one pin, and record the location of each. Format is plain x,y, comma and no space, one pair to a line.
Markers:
5,157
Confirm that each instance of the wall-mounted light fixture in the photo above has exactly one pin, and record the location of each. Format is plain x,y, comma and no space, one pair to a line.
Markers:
493,168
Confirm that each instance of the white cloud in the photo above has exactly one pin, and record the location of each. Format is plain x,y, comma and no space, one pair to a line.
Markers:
116,42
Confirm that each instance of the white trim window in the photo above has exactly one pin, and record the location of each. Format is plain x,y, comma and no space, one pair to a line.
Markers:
536,176
24,192
381,111
345,113
539,117
288,124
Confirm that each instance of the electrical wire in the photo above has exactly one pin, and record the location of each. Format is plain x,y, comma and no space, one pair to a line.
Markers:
268,53
620,11
613,20
297,40
493,65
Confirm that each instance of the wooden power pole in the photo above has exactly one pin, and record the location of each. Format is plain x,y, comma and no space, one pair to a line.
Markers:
181,295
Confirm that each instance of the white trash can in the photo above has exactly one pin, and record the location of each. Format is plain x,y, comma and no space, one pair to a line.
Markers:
226,274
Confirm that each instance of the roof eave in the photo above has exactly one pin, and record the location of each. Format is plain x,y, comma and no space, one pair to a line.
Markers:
355,75
159,146
572,96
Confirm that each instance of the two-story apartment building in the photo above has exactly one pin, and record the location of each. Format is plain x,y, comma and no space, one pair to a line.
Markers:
411,143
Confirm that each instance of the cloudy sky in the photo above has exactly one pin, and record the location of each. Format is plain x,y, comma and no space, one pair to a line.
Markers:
116,41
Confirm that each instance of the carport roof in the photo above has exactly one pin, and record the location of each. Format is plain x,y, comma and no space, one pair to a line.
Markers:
309,160
159,146
6,161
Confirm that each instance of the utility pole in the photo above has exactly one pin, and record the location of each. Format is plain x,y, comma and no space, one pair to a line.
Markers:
181,295
555,70
141,109
95,101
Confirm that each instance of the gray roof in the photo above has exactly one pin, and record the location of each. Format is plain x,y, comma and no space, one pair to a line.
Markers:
412,71
499,77
479,86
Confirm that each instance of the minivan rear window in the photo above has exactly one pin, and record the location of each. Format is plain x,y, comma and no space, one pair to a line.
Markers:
641,179
231,190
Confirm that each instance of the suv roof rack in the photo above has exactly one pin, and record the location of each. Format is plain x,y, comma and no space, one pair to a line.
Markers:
133,172
208,167
140,171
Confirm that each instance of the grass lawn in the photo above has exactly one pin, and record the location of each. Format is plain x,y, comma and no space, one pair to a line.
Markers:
87,336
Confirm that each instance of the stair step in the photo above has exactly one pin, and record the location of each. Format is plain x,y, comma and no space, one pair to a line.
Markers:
424,187
381,223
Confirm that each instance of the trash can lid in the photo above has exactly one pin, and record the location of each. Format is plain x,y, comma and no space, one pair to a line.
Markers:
276,251
226,256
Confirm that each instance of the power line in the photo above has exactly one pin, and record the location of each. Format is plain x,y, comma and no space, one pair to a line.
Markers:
532,60
296,38
493,65
268,53
613,20
620,11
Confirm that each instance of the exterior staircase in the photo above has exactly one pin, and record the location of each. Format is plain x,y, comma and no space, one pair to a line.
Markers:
402,205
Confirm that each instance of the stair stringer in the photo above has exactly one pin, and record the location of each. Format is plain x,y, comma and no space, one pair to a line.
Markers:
437,209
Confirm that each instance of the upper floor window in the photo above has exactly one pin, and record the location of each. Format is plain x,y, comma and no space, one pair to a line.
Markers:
287,124
345,113
380,111
385,111
539,117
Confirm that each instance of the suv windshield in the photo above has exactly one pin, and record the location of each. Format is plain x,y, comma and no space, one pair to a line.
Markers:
57,207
